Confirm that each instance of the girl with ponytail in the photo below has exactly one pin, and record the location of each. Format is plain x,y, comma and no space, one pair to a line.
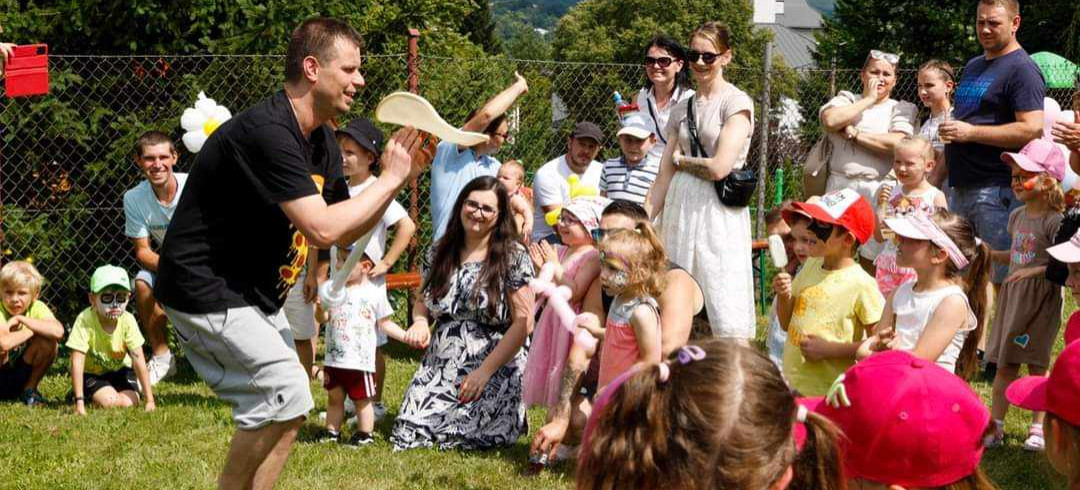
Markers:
712,416
937,315
633,266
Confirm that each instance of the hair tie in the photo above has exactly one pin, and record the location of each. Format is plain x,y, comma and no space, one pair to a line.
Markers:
800,414
690,353
665,371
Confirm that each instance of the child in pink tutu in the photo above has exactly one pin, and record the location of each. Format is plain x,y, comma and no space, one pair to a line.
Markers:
576,265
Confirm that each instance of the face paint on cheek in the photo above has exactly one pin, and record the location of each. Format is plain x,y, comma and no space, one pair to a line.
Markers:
616,281
111,310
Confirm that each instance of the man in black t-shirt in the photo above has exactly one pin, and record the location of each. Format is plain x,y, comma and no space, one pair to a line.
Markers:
998,108
256,196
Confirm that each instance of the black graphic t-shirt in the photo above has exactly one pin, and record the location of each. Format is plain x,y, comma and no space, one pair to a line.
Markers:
229,243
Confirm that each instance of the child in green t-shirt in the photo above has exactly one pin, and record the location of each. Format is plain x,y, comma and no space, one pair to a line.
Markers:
832,303
105,344
29,333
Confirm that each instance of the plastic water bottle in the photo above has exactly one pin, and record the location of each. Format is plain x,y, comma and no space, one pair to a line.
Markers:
622,107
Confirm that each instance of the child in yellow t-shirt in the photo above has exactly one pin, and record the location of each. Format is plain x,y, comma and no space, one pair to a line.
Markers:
105,344
832,303
29,333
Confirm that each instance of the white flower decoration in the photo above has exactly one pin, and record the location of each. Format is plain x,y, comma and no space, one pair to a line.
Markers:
201,120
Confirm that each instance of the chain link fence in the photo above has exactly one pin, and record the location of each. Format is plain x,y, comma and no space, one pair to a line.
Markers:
66,158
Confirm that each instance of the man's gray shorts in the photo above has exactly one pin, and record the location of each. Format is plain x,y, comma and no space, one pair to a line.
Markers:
247,358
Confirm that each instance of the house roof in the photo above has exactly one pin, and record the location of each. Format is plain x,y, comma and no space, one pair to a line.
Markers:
796,47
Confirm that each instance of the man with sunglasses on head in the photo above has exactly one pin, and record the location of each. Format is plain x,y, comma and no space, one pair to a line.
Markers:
551,189
998,108
455,166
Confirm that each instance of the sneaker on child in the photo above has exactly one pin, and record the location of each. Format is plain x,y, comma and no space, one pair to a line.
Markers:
359,439
380,410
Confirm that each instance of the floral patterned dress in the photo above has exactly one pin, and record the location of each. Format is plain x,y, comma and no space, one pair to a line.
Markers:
464,335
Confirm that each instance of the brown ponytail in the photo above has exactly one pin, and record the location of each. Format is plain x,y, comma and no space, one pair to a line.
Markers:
975,279
723,421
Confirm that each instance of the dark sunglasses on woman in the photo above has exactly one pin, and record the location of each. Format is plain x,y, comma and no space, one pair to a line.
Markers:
709,58
662,62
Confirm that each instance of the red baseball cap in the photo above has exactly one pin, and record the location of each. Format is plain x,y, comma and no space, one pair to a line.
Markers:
1072,328
1058,393
906,421
844,208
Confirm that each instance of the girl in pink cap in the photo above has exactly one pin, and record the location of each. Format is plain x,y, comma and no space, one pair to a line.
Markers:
1059,397
936,316
1028,309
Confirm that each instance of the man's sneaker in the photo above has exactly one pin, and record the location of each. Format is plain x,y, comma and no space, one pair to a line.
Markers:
359,439
995,438
32,397
160,369
1035,441
327,435
380,410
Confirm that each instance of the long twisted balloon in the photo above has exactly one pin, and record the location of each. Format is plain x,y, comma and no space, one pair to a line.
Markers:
558,297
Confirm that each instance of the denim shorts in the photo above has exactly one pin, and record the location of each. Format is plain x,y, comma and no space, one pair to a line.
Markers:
988,208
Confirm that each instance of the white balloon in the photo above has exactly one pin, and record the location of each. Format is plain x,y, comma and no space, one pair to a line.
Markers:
192,120
194,140
221,113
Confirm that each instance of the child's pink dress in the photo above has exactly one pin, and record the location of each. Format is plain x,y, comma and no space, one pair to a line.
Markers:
620,350
551,343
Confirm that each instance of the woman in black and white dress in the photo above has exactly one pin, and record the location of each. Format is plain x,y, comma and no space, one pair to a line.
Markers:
466,394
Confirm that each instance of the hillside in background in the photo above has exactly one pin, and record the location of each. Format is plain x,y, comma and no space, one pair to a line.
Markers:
826,7
543,14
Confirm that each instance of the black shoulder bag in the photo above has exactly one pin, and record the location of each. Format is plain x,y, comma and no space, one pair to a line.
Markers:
737,189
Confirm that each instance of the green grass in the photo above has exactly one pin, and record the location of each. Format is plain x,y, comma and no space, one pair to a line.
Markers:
182,445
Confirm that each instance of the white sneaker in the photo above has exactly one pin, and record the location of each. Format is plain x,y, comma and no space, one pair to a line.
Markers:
159,369
350,406
380,410
1035,441
351,421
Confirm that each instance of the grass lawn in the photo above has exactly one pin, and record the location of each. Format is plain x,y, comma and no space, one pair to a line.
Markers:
182,445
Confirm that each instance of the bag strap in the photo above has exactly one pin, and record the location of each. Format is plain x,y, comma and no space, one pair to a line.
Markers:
696,147
656,122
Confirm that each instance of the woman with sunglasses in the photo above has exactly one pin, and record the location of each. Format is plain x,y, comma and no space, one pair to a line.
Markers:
704,236
863,129
467,391
667,82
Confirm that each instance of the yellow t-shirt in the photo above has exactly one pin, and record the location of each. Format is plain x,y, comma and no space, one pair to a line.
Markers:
36,311
105,352
835,306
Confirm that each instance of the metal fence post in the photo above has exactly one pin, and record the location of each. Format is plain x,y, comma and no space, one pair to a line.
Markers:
412,62
763,161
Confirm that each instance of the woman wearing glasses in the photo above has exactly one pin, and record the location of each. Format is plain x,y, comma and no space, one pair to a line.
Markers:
704,236
863,129
467,391
666,84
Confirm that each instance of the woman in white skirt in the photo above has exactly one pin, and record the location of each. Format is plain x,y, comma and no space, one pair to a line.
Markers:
707,238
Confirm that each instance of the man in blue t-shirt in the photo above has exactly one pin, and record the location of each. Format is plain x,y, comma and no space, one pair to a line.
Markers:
455,166
998,108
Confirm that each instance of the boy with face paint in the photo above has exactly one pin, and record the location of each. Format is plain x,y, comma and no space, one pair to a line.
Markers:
105,344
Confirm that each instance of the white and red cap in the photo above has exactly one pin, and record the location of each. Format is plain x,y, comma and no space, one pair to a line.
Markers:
1058,393
1067,252
1040,155
844,208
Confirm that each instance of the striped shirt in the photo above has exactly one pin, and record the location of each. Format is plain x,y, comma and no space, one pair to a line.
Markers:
629,184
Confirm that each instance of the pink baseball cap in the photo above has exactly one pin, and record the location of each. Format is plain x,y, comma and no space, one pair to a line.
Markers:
906,421
844,208
1067,252
1058,393
1039,155
1072,328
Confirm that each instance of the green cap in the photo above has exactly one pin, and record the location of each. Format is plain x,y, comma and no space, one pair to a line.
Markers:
109,275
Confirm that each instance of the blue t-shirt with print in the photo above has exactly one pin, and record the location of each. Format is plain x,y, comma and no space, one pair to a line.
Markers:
451,170
990,93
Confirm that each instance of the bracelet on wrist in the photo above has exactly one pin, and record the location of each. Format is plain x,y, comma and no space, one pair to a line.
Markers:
79,399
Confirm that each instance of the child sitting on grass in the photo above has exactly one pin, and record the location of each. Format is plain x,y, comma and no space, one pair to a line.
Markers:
105,344
349,363
29,334
832,302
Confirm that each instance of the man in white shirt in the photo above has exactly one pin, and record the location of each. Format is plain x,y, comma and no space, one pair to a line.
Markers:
148,209
550,187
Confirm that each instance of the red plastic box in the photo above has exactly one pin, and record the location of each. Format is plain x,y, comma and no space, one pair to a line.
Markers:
26,72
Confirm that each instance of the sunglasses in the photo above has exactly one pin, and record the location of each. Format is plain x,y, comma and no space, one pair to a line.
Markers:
599,234
110,298
662,62
485,210
892,59
708,58
821,230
